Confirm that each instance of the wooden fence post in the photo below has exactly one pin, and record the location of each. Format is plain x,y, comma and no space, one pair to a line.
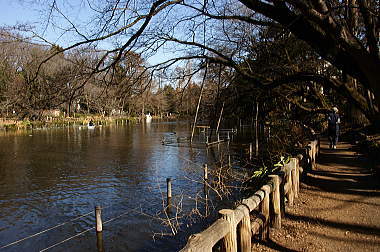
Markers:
276,221
282,193
319,146
245,230
290,181
315,145
312,154
295,177
230,240
264,208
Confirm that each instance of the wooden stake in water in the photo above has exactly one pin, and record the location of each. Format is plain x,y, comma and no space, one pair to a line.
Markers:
169,192
98,217
99,229
99,241
205,172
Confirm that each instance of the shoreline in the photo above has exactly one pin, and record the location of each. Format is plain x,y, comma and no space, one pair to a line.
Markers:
10,124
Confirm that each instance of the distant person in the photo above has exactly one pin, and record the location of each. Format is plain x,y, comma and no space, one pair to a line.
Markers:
333,127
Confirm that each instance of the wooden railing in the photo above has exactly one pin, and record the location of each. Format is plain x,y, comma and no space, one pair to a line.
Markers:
236,225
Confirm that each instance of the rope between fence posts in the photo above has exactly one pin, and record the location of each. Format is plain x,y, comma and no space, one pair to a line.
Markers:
51,228
134,209
46,230
72,237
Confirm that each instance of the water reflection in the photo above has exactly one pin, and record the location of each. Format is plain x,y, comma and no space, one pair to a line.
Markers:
51,176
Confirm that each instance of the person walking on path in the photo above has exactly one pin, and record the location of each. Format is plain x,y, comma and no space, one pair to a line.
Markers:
333,127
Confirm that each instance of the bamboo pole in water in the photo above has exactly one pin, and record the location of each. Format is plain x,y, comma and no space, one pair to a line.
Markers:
199,103
220,118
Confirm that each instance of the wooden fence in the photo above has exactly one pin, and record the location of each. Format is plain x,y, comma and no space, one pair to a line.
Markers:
235,226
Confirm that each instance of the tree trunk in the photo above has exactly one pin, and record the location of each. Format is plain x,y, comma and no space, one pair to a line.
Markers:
333,41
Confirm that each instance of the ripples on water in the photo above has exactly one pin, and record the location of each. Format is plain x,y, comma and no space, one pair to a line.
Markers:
51,176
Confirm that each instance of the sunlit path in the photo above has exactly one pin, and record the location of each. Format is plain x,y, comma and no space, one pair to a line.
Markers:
338,208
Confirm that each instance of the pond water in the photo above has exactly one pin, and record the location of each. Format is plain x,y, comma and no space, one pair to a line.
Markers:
50,177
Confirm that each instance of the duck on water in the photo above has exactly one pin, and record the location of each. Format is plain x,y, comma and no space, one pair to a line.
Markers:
91,125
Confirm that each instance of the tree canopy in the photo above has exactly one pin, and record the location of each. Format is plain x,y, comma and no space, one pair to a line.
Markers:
340,48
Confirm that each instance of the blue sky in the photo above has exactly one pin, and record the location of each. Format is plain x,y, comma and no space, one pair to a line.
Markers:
13,12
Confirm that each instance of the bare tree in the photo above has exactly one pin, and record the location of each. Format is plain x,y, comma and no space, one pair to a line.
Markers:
345,33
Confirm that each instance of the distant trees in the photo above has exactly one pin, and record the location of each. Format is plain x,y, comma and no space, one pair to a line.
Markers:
67,82
250,39
28,93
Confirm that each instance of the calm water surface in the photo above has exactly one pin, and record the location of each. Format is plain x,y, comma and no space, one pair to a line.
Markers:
48,177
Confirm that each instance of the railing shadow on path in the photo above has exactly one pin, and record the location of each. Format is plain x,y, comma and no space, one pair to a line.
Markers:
363,229
340,189
348,239
270,243
342,171
358,199
343,177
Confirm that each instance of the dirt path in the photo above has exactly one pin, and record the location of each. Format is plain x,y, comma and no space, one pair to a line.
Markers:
338,208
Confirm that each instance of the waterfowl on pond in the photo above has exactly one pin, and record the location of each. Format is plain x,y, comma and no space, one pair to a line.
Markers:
148,118
91,125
